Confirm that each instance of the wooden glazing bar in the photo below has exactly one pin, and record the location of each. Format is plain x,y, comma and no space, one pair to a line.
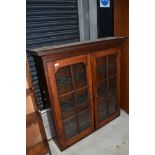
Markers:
107,98
66,119
108,78
73,91
74,97
79,109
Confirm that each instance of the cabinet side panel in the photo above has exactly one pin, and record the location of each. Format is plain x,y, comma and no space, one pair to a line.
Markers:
43,84
121,27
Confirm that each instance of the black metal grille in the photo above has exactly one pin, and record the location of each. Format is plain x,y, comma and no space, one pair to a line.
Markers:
49,22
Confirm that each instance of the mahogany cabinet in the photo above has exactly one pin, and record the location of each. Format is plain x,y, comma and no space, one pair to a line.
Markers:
82,83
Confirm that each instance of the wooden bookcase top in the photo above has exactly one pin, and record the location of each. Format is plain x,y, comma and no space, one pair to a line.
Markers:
73,48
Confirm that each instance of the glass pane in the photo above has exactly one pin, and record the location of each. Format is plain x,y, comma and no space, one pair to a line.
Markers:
84,120
82,98
112,65
112,86
101,68
63,79
102,88
67,105
103,109
112,105
79,75
70,127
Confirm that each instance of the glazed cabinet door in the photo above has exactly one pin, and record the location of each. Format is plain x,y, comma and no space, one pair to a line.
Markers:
71,90
106,82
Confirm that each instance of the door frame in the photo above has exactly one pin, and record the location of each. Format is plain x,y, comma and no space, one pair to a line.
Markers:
52,68
94,56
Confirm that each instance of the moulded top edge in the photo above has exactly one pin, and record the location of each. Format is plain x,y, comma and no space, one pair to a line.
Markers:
48,49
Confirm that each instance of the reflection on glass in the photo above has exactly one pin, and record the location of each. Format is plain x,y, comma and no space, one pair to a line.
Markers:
101,68
112,66
84,120
102,88
106,85
67,105
73,98
112,105
79,75
70,127
82,98
103,109
112,86
63,79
